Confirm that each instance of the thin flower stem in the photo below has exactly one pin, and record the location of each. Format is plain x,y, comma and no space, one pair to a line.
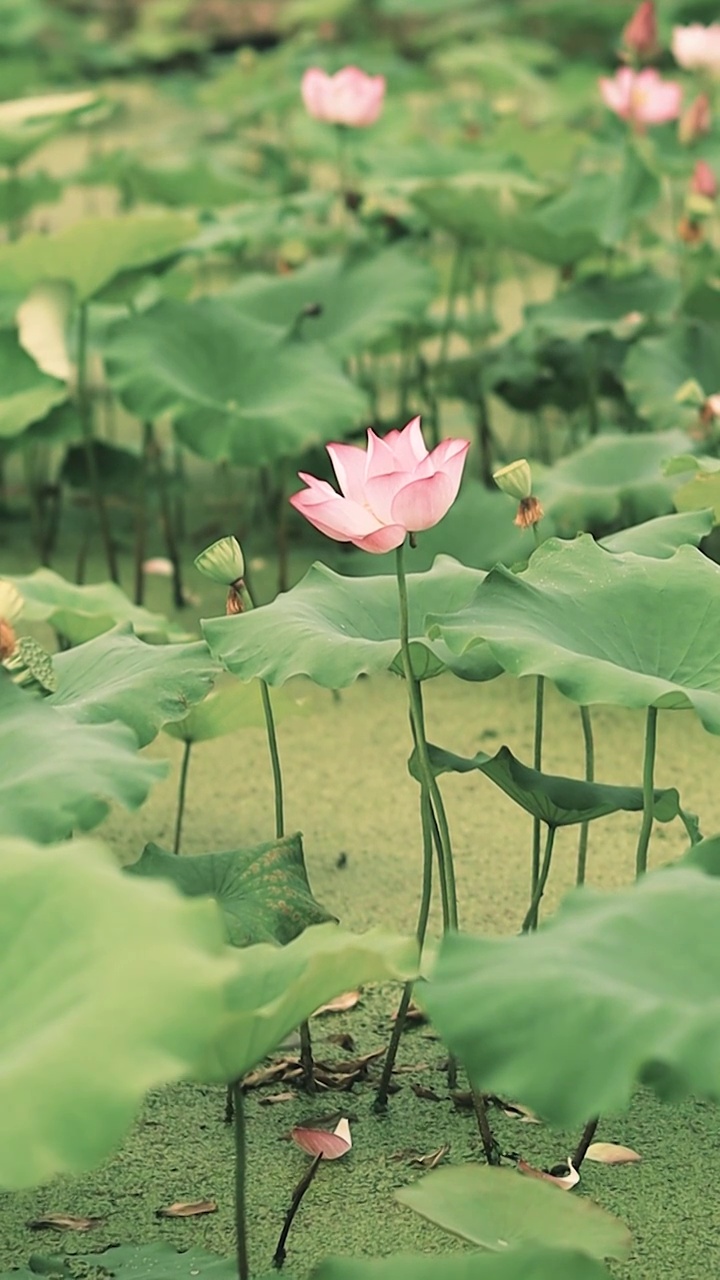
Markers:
280,1253
381,1098
537,764
428,780
589,777
182,788
84,414
531,919
588,1134
489,1145
648,791
272,741
240,1164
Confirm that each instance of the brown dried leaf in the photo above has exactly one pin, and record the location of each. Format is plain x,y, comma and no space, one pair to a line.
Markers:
611,1153
411,1066
62,1222
432,1159
268,1075
187,1209
515,1110
341,1004
463,1099
414,1016
273,1099
428,1095
564,1175
344,1041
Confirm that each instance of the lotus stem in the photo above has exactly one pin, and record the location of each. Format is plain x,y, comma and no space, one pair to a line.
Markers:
381,1098
182,788
84,415
240,1165
537,764
450,305
141,517
648,791
588,1134
167,522
531,919
587,729
427,777
489,1145
302,1186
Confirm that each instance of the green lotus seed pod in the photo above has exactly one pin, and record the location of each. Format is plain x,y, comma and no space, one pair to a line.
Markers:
515,479
223,562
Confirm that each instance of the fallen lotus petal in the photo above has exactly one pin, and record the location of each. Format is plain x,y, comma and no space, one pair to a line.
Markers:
62,1222
159,567
341,1004
322,1142
611,1153
564,1175
187,1209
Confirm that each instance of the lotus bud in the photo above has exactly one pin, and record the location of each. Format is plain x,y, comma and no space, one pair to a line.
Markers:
529,513
696,121
222,562
703,181
515,479
639,37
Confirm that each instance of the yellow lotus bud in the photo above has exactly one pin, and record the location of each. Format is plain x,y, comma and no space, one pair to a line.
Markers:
515,479
223,562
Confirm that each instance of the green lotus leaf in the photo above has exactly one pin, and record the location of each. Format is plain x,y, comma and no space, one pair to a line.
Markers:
27,394
263,893
532,1263
235,388
555,800
502,1211
701,492
158,1261
616,989
274,989
234,706
598,304
657,367
79,613
363,300
613,480
620,629
116,676
201,184
56,775
27,123
662,536
91,253
333,628
109,988
119,471
604,204
20,195
705,855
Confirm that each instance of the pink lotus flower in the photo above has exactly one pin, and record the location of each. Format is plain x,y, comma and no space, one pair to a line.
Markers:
393,488
640,34
349,97
696,47
641,97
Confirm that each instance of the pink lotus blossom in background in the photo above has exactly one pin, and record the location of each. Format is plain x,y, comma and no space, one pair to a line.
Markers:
349,97
642,97
392,488
640,36
697,48
703,181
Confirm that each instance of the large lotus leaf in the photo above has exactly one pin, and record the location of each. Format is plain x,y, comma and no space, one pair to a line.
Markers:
474,217
263,892
26,393
56,775
532,1263
232,706
500,1210
91,253
616,989
604,204
333,628
236,389
363,300
702,490
274,989
108,988
662,536
116,676
27,123
620,629
79,613
657,367
613,479
158,1261
558,801
705,855
599,303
